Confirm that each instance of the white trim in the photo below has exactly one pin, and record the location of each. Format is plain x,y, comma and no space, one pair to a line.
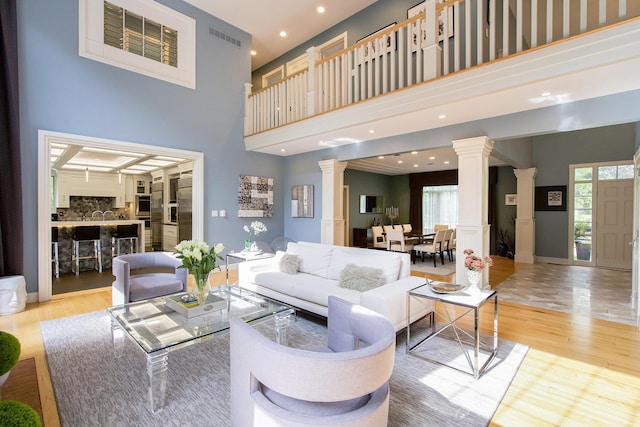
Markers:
551,260
91,40
45,138
302,62
277,72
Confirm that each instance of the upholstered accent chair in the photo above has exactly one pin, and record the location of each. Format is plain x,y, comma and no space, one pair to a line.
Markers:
345,384
151,283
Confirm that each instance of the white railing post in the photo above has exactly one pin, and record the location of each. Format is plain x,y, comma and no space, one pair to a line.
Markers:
432,50
313,94
248,109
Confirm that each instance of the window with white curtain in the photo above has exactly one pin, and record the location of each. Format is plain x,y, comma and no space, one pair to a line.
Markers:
439,206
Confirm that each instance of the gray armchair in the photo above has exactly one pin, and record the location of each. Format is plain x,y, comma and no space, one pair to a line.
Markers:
343,384
128,288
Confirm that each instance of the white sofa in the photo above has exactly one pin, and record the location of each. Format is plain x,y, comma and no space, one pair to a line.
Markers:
318,277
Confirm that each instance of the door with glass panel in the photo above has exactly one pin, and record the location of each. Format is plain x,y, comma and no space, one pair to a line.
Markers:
602,215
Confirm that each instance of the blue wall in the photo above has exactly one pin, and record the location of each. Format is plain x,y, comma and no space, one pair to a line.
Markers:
61,91
552,155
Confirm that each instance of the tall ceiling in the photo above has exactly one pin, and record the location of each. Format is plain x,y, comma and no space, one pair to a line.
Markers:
264,20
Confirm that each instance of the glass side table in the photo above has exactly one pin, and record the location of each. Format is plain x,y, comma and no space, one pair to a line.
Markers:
242,257
454,309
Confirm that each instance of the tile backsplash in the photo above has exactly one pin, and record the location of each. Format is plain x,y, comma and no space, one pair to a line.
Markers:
80,206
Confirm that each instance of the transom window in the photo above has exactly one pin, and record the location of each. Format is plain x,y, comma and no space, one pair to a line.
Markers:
136,34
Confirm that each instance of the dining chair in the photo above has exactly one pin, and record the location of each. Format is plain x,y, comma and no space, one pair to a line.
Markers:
396,242
445,242
438,227
451,245
433,248
379,241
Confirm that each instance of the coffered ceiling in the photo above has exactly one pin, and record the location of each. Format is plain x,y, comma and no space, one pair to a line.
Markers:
77,157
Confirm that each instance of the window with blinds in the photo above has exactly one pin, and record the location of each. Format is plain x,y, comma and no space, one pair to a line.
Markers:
138,35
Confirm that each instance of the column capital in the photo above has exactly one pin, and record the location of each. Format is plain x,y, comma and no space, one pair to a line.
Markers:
473,146
526,173
332,165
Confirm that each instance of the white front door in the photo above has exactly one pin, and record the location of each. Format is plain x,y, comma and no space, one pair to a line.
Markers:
614,224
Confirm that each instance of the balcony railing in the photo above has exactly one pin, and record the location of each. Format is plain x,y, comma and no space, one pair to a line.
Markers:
444,38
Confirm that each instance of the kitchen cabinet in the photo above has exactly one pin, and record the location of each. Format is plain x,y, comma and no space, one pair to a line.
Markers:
169,237
75,183
129,192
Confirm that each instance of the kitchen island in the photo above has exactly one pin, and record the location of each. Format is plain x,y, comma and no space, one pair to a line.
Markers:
107,231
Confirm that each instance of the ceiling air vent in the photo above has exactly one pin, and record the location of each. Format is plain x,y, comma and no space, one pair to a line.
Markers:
225,37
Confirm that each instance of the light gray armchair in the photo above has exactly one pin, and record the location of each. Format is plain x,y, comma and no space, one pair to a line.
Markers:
128,288
343,384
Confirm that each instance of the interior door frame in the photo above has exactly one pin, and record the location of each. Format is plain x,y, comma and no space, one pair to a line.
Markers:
635,266
46,137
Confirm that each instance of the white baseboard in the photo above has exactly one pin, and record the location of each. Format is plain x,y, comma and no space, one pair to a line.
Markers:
550,260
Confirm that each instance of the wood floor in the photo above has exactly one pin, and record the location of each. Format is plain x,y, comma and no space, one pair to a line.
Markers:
578,371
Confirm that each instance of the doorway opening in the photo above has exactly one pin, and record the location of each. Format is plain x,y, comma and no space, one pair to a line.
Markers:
45,141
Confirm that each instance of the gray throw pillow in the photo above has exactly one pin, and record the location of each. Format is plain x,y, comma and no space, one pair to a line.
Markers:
361,278
289,263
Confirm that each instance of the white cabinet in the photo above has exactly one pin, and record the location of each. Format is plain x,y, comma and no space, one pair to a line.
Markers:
169,237
75,183
129,192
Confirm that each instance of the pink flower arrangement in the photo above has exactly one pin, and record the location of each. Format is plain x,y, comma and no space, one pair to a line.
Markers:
476,263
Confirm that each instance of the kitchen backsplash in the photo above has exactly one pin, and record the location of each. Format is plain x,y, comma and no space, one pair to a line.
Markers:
80,206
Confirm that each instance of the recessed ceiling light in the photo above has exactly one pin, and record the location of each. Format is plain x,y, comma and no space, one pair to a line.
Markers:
283,34
442,116
372,131
254,53
381,157
283,150
432,157
446,162
320,9
400,162
415,166
414,152
545,94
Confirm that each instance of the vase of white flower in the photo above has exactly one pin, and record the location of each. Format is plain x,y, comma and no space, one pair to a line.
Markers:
255,228
200,260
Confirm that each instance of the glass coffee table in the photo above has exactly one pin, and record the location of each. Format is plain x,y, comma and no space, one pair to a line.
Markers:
158,329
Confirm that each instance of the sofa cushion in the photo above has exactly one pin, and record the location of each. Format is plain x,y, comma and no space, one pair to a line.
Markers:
289,263
145,286
361,278
312,259
388,262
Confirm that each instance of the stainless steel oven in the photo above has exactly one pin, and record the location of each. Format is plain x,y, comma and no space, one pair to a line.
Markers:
143,206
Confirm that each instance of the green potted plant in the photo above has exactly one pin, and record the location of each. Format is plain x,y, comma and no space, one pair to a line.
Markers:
18,414
9,354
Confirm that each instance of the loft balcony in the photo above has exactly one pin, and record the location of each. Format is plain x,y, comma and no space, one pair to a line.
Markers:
518,55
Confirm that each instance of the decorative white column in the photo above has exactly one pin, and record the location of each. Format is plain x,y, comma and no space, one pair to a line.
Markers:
525,222
473,201
332,232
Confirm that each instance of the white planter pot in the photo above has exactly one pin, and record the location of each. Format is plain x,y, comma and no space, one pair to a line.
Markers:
3,379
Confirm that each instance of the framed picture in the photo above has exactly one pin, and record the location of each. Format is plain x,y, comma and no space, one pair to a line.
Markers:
378,46
255,197
510,199
422,33
302,201
552,198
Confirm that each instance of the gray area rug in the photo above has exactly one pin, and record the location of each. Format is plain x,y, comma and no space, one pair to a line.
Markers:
94,388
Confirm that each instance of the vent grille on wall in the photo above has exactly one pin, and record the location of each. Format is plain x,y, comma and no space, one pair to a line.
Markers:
225,37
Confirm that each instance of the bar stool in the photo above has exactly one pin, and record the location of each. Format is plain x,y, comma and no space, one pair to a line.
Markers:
54,246
125,232
85,234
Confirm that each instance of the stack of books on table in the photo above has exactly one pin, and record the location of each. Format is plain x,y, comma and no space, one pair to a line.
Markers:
193,308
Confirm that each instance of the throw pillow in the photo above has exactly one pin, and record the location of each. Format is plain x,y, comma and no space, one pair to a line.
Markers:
289,263
361,278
